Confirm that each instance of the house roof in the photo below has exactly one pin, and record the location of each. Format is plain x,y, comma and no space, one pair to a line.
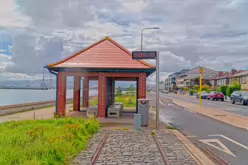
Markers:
104,54
224,75
193,76
241,73
206,71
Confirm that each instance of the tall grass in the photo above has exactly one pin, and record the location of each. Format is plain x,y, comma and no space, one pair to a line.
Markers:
42,142
125,100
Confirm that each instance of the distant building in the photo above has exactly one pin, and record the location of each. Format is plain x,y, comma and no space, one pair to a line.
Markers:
194,74
188,78
223,78
242,78
171,81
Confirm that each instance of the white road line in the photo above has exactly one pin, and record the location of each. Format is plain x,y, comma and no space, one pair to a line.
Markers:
231,140
232,109
191,136
162,103
189,110
222,147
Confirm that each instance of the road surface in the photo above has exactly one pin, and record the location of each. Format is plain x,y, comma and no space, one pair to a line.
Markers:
236,108
227,142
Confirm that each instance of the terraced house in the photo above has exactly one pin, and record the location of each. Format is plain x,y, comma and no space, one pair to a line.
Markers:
242,78
223,78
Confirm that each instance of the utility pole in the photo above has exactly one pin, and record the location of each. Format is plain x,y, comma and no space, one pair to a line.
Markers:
201,71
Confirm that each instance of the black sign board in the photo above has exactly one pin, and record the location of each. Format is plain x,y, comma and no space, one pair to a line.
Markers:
138,55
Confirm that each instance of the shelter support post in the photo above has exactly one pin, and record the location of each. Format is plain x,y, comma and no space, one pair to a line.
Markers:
76,93
86,92
61,94
113,91
110,92
102,83
142,86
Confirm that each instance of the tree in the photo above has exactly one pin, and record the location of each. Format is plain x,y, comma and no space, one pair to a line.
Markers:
132,89
206,82
119,91
196,81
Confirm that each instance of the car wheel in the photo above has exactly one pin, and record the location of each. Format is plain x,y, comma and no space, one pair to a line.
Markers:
233,102
207,98
242,102
222,99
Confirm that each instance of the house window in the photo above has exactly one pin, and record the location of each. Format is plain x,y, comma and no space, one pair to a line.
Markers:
243,80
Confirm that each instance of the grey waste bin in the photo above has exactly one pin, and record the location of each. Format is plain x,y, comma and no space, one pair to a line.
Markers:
143,109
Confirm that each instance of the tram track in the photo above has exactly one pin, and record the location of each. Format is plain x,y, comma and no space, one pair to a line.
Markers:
105,138
160,149
99,149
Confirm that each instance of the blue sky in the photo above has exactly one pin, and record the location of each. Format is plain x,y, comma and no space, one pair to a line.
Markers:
210,33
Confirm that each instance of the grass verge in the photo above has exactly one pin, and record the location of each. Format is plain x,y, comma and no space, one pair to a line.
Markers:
125,100
53,141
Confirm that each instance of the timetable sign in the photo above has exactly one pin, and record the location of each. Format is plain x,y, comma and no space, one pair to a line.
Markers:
138,55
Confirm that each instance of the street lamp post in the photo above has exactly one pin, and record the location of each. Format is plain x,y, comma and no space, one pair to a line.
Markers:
157,76
150,28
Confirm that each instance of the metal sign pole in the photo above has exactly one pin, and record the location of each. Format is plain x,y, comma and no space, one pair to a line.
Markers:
157,91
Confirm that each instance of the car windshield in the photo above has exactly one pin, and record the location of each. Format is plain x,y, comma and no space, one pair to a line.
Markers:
244,93
219,93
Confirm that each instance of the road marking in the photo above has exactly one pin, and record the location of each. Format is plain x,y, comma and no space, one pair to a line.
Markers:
231,140
191,136
223,147
232,109
162,103
186,109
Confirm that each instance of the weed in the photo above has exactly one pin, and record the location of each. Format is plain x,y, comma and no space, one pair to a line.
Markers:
153,133
171,127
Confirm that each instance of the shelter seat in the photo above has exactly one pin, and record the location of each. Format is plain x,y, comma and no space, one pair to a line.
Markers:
119,103
92,111
114,110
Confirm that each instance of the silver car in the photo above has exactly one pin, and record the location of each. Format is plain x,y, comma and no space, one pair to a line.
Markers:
204,95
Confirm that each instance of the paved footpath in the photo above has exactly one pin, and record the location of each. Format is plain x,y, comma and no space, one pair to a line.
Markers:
136,147
42,113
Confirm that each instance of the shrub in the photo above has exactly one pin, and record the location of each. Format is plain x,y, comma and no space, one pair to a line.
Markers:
223,89
196,87
206,88
232,88
186,89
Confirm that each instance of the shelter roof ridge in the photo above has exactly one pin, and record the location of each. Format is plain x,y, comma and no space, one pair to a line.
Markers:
96,43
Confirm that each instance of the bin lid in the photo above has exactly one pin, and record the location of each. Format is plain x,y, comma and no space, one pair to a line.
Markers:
146,99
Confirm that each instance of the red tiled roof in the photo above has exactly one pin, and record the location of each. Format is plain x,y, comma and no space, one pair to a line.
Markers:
105,53
226,75
240,73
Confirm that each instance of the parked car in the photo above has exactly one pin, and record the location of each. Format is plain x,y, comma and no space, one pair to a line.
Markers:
204,95
214,95
239,96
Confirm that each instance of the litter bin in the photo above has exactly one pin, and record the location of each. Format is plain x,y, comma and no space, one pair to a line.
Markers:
143,109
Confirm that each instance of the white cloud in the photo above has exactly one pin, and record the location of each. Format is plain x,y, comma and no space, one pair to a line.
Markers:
207,33
5,61
9,17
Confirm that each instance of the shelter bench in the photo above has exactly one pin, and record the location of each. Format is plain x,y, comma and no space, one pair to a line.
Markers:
115,110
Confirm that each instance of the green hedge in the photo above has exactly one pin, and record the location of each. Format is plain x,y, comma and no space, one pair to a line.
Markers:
223,89
231,89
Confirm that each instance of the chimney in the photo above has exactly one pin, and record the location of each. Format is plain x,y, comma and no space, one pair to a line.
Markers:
220,74
234,71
